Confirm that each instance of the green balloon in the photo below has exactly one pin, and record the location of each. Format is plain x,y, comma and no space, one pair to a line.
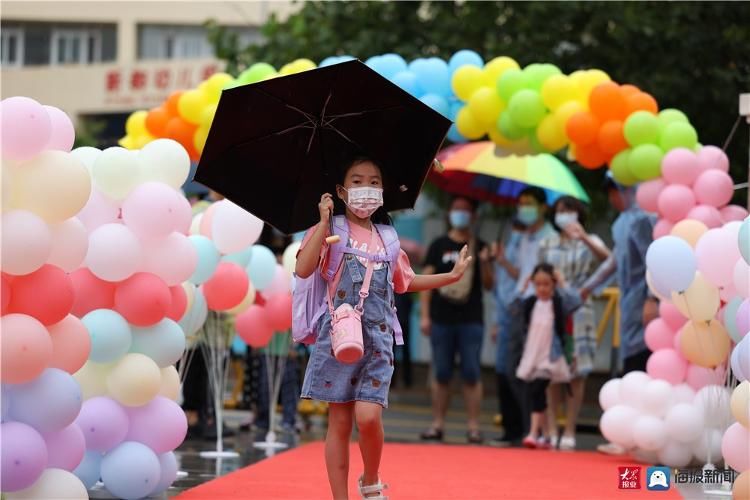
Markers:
641,127
511,82
232,84
256,73
536,146
620,168
645,161
678,135
537,74
669,115
526,108
509,128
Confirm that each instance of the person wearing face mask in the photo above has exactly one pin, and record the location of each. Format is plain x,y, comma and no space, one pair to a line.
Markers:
576,254
453,318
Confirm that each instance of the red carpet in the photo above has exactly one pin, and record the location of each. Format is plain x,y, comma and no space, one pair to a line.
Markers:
436,472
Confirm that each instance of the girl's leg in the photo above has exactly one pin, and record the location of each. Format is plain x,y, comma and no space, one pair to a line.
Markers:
553,404
536,424
340,420
369,417
573,403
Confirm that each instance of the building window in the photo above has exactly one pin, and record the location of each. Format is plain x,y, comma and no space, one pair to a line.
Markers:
76,46
173,42
11,46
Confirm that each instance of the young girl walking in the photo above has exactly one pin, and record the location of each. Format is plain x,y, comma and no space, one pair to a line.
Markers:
358,391
544,317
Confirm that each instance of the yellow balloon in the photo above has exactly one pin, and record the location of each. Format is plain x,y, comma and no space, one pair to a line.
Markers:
134,380
246,302
741,486
191,105
215,84
8,191
550,134
92,377
200,137
466,80
170,383
304,65
136,124
700,301
189,290
557,90
495,68
127,142
467,124
564,112
195,226
689,230
485,104
140,141
705,343
207,115
500,139
55,185
740,403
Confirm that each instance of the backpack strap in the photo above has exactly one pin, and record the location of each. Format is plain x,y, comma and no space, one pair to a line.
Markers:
336,251
392,245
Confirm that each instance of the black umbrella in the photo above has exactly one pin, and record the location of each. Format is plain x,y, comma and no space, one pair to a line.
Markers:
276,146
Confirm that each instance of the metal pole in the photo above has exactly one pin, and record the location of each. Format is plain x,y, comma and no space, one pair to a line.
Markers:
744,106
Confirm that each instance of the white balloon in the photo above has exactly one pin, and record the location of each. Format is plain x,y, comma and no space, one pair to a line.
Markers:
617,425
233,228
684,423
657,397
116,172
114,252
713,403
164,160
631,388
195,225
99,210
742,278
682,393
53,483
87,155
70,242
289,260
609,395
26,242
649,433
675,454
707,448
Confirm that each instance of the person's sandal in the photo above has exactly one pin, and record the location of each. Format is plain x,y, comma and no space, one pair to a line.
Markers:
432,434
372,491
474,437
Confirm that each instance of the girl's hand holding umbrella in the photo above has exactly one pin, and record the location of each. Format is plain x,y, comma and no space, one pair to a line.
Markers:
325,207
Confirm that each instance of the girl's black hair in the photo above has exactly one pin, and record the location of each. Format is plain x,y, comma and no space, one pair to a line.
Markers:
380,216
572,203
546,268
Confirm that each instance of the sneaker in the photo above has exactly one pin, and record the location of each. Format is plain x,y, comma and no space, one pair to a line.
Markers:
432,434
474,437
529,442
543,443
567,443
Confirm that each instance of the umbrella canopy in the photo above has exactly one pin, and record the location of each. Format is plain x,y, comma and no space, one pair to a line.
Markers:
276,146
478,171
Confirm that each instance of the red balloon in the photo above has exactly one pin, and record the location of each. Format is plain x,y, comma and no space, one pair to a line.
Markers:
252,326
179,303
279,311
227,287
47,295
5,292
91,293
71,344
143,299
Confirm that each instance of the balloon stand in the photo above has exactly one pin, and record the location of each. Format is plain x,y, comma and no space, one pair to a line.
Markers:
276,354
215,341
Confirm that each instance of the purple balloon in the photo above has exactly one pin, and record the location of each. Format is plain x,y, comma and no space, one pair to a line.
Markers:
734,362
161,425
24,456
104,424
48,403
65,448
741,358
25,128
742,319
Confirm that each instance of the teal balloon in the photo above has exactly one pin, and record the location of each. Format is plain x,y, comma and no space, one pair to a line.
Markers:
110,335
744,240
89,470
163,342
262,267
438,103
208,259
241,258
730,319
196,316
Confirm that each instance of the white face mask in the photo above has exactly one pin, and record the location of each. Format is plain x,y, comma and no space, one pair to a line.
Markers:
363,201
563,219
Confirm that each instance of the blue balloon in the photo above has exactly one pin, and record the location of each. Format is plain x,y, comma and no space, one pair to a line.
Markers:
744,239
391,65
110,335
455,136
48,403
131,471
89,470
169,468
208,258
408,81
239,347
5,408
329,61
262,267
672,263
163,342
436,102
464,58
433,75
455,107
241,258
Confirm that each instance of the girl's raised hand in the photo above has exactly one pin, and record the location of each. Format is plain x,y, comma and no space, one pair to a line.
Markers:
325,207
464,259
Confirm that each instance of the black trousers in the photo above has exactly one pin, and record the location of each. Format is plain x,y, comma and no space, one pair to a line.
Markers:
636,362
510,408
403,369
536,393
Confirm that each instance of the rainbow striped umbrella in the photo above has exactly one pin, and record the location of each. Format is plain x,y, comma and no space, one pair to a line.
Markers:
480,170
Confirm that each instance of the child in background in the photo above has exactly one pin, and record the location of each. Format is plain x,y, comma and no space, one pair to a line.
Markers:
544,318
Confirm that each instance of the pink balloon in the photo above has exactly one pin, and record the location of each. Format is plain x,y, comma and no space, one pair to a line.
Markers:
91,292
114,252
27,348
26,242
153,210
104,423
662,228
279,311
659,335
71,344
70,242
711,157
65,448
667,364
143,299
732,213
99,210
25,128
741,278
207,221
5,294
648,194
735,447
172,258
281,282
677,339
680,166
671,315
699,377
184,216
728,292
227,287
706,214
160,424
63,134
179,303
714,187
716,253
675,202
233,228
47,294
253,327
742,318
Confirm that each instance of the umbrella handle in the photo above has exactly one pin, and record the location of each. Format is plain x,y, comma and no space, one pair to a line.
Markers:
334,238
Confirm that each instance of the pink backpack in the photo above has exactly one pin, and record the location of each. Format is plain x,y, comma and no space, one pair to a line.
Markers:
309,301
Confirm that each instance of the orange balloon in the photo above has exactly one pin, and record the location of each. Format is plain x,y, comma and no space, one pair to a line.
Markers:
642,102
741,486
628,89
611,140
591,156
607,102
171,104
156,121
582,128
182,132
705,343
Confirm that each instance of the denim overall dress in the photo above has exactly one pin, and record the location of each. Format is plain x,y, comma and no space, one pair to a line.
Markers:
369,379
